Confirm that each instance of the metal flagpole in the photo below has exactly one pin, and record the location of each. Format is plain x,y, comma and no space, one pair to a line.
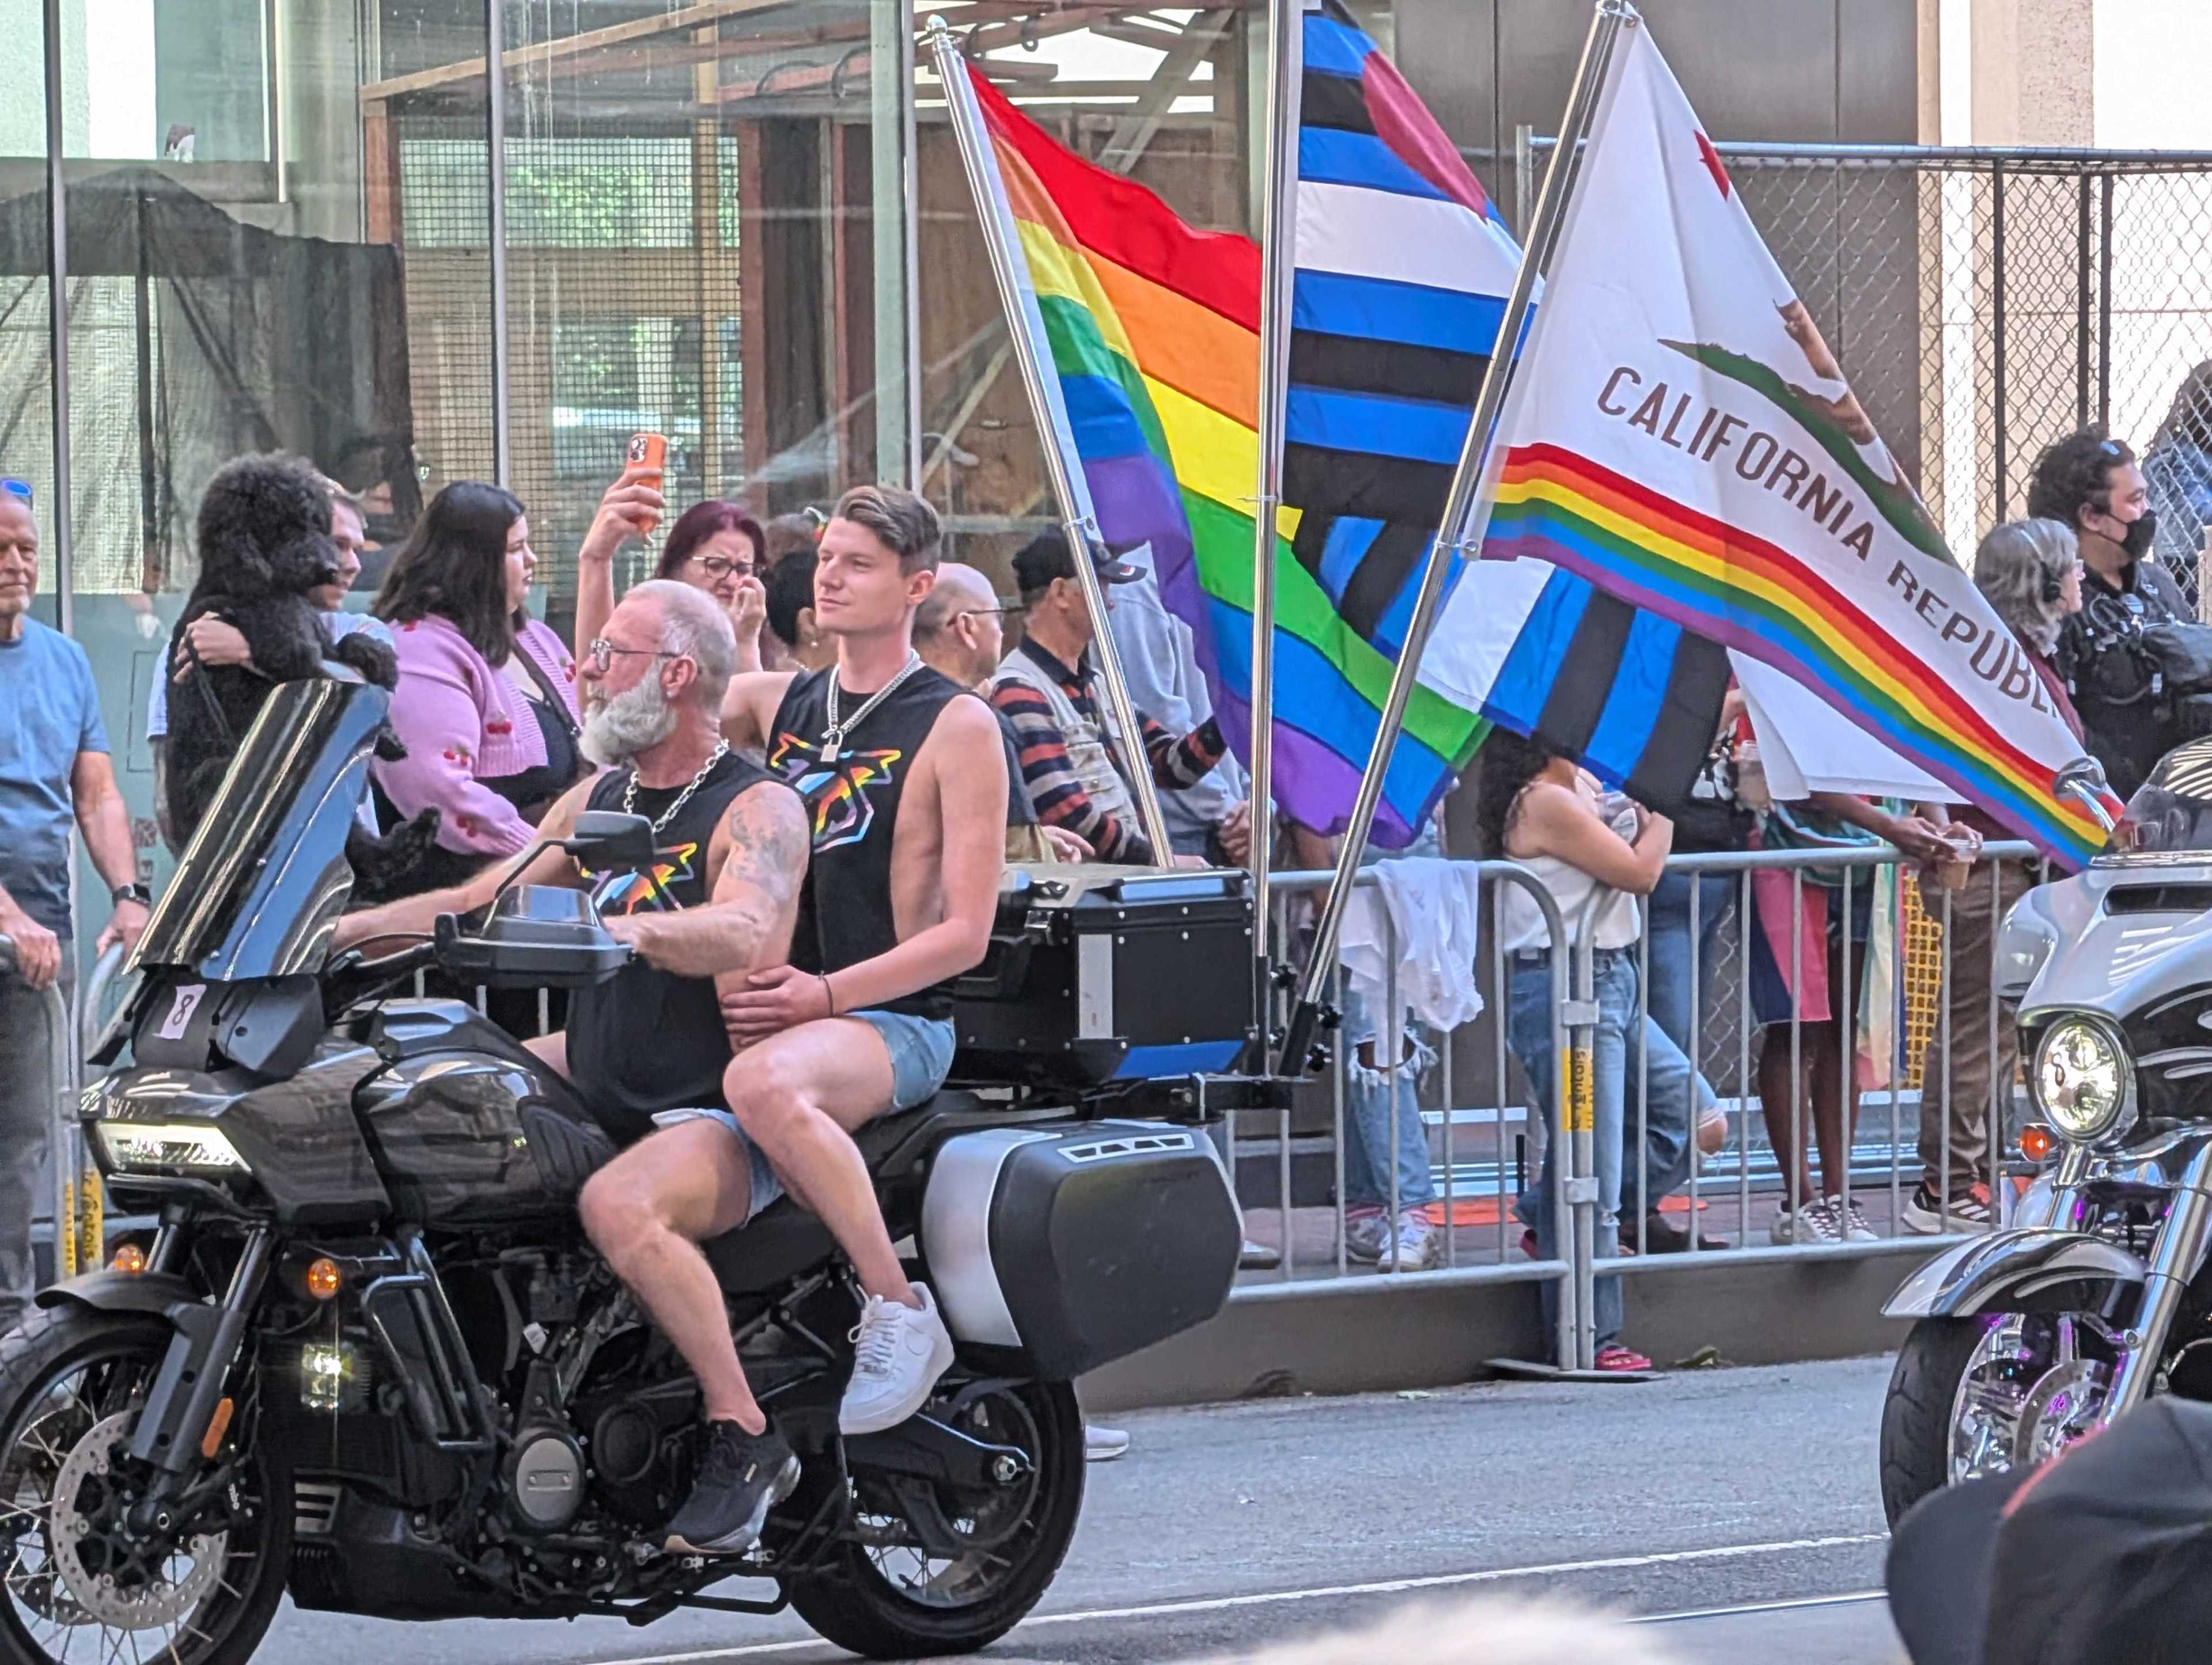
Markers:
1082,531
1279,255
1458,503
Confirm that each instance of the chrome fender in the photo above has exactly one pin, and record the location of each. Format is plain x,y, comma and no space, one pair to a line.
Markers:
2016,1271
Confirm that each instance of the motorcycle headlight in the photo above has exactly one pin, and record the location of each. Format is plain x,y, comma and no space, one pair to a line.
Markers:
168,1147
2084,1082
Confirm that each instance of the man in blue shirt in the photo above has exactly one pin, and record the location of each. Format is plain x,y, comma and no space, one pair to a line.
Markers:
54,769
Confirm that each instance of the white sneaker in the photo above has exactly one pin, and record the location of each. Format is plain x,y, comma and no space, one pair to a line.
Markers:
898,1354
1414,1247
1858,1227
1813,1223
1102,1444
1366,1237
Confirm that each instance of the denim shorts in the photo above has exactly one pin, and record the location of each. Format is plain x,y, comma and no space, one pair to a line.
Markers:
921,1050
922,1055
766,1188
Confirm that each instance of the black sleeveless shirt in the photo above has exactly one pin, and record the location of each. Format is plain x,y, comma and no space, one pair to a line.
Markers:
651,1040
852,811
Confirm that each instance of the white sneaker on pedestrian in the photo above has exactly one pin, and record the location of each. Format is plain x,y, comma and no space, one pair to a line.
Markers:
898,1353
1415,1246
1366,1237
1813,1223
1102,1444
1858,1227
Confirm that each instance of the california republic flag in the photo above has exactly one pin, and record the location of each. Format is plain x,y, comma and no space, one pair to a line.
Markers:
1679,434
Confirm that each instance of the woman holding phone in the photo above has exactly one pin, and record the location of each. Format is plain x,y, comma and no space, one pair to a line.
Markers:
715,545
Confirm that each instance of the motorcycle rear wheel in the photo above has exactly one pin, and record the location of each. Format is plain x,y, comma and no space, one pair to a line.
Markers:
891,1601
71,1382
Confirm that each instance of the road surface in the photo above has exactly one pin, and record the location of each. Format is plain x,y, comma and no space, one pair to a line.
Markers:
1734,1509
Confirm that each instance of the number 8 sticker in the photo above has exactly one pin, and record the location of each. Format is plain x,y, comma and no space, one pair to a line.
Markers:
181,1008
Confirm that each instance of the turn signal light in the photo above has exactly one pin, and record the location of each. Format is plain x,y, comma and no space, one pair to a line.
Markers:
2037,1141
130,1260
323,1277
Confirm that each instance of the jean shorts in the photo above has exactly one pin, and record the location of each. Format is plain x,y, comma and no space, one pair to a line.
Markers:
922,1056
766,1188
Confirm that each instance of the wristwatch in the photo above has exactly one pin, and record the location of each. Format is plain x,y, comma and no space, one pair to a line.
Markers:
137,893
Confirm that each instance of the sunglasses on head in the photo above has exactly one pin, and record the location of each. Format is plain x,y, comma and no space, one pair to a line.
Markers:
15,488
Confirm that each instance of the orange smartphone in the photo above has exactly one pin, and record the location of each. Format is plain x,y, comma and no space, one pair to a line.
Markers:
649,453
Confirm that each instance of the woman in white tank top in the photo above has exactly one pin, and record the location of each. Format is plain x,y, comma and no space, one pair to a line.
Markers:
1539,809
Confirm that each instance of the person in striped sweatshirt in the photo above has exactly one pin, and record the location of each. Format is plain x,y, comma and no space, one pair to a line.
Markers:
1046,688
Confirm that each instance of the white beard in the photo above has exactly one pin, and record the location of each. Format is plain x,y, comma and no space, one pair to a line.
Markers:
634,721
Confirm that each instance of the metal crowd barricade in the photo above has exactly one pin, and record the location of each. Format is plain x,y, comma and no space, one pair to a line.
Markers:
1573,1195
74,1192
1886,1165
1875,1157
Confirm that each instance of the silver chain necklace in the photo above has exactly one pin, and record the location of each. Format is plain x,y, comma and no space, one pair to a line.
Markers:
833,738
630,787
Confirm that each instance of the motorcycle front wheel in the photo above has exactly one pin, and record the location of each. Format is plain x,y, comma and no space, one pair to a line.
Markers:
1985,1394
932,1570
77,1579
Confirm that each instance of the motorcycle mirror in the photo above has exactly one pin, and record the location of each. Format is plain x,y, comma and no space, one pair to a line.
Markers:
611,839
2083,780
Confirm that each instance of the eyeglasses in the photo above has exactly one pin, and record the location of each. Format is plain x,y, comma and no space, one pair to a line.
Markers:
715,566
15,488
601,654
999,612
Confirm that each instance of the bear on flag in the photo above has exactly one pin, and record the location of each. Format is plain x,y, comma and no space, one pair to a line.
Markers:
1679,434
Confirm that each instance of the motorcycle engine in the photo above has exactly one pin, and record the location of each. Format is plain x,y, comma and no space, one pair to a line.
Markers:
544,1478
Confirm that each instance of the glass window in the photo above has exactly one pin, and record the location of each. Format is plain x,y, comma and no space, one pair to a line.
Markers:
1173,99
265,252
698,246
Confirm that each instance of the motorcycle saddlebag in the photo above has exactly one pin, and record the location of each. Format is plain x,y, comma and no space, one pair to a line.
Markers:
1099,974
1077,1242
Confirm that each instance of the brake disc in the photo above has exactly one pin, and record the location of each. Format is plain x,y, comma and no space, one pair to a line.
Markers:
2062,1408
86,1501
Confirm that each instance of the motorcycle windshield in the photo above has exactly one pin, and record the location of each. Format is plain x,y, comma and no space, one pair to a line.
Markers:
262,884
2170,817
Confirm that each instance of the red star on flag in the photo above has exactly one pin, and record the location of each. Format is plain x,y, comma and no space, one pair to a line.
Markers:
1711,158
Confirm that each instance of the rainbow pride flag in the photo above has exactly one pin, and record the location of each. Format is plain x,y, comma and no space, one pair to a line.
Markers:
1153,331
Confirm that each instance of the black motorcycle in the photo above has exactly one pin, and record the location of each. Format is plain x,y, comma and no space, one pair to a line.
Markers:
369,1360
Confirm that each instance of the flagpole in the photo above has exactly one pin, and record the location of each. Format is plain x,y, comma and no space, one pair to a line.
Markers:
1278,257
1460,501
1081,530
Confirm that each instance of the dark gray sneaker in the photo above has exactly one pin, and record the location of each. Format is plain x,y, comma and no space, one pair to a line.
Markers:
741,1477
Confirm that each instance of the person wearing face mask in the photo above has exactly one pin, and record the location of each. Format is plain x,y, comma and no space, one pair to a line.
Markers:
2092,483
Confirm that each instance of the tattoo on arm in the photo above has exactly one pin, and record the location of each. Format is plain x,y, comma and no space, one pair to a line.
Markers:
767,860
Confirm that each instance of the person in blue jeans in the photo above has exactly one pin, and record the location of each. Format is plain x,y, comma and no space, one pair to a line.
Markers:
1537,808
1382,1126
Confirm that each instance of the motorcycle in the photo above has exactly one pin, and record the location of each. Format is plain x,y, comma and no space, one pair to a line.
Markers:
2027,1339
368,1359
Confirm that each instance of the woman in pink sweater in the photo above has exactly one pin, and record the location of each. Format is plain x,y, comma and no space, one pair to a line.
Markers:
486,704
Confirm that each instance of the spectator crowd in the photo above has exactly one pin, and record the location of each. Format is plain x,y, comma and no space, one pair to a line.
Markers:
486,708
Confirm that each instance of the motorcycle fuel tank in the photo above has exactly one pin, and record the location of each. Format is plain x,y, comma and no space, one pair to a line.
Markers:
469,1127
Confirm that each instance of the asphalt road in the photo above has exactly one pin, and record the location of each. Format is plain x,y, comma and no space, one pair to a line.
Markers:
1735,1510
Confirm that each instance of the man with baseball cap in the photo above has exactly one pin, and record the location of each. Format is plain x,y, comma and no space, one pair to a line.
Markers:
2102,1556
1045,688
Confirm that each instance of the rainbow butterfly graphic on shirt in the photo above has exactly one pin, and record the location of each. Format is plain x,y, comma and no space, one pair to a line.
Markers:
834,789
633,892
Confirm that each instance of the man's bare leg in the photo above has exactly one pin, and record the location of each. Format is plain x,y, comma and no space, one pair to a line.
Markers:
648,1211
800,1096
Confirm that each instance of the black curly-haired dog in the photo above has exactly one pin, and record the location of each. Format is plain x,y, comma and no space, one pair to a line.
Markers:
265,545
